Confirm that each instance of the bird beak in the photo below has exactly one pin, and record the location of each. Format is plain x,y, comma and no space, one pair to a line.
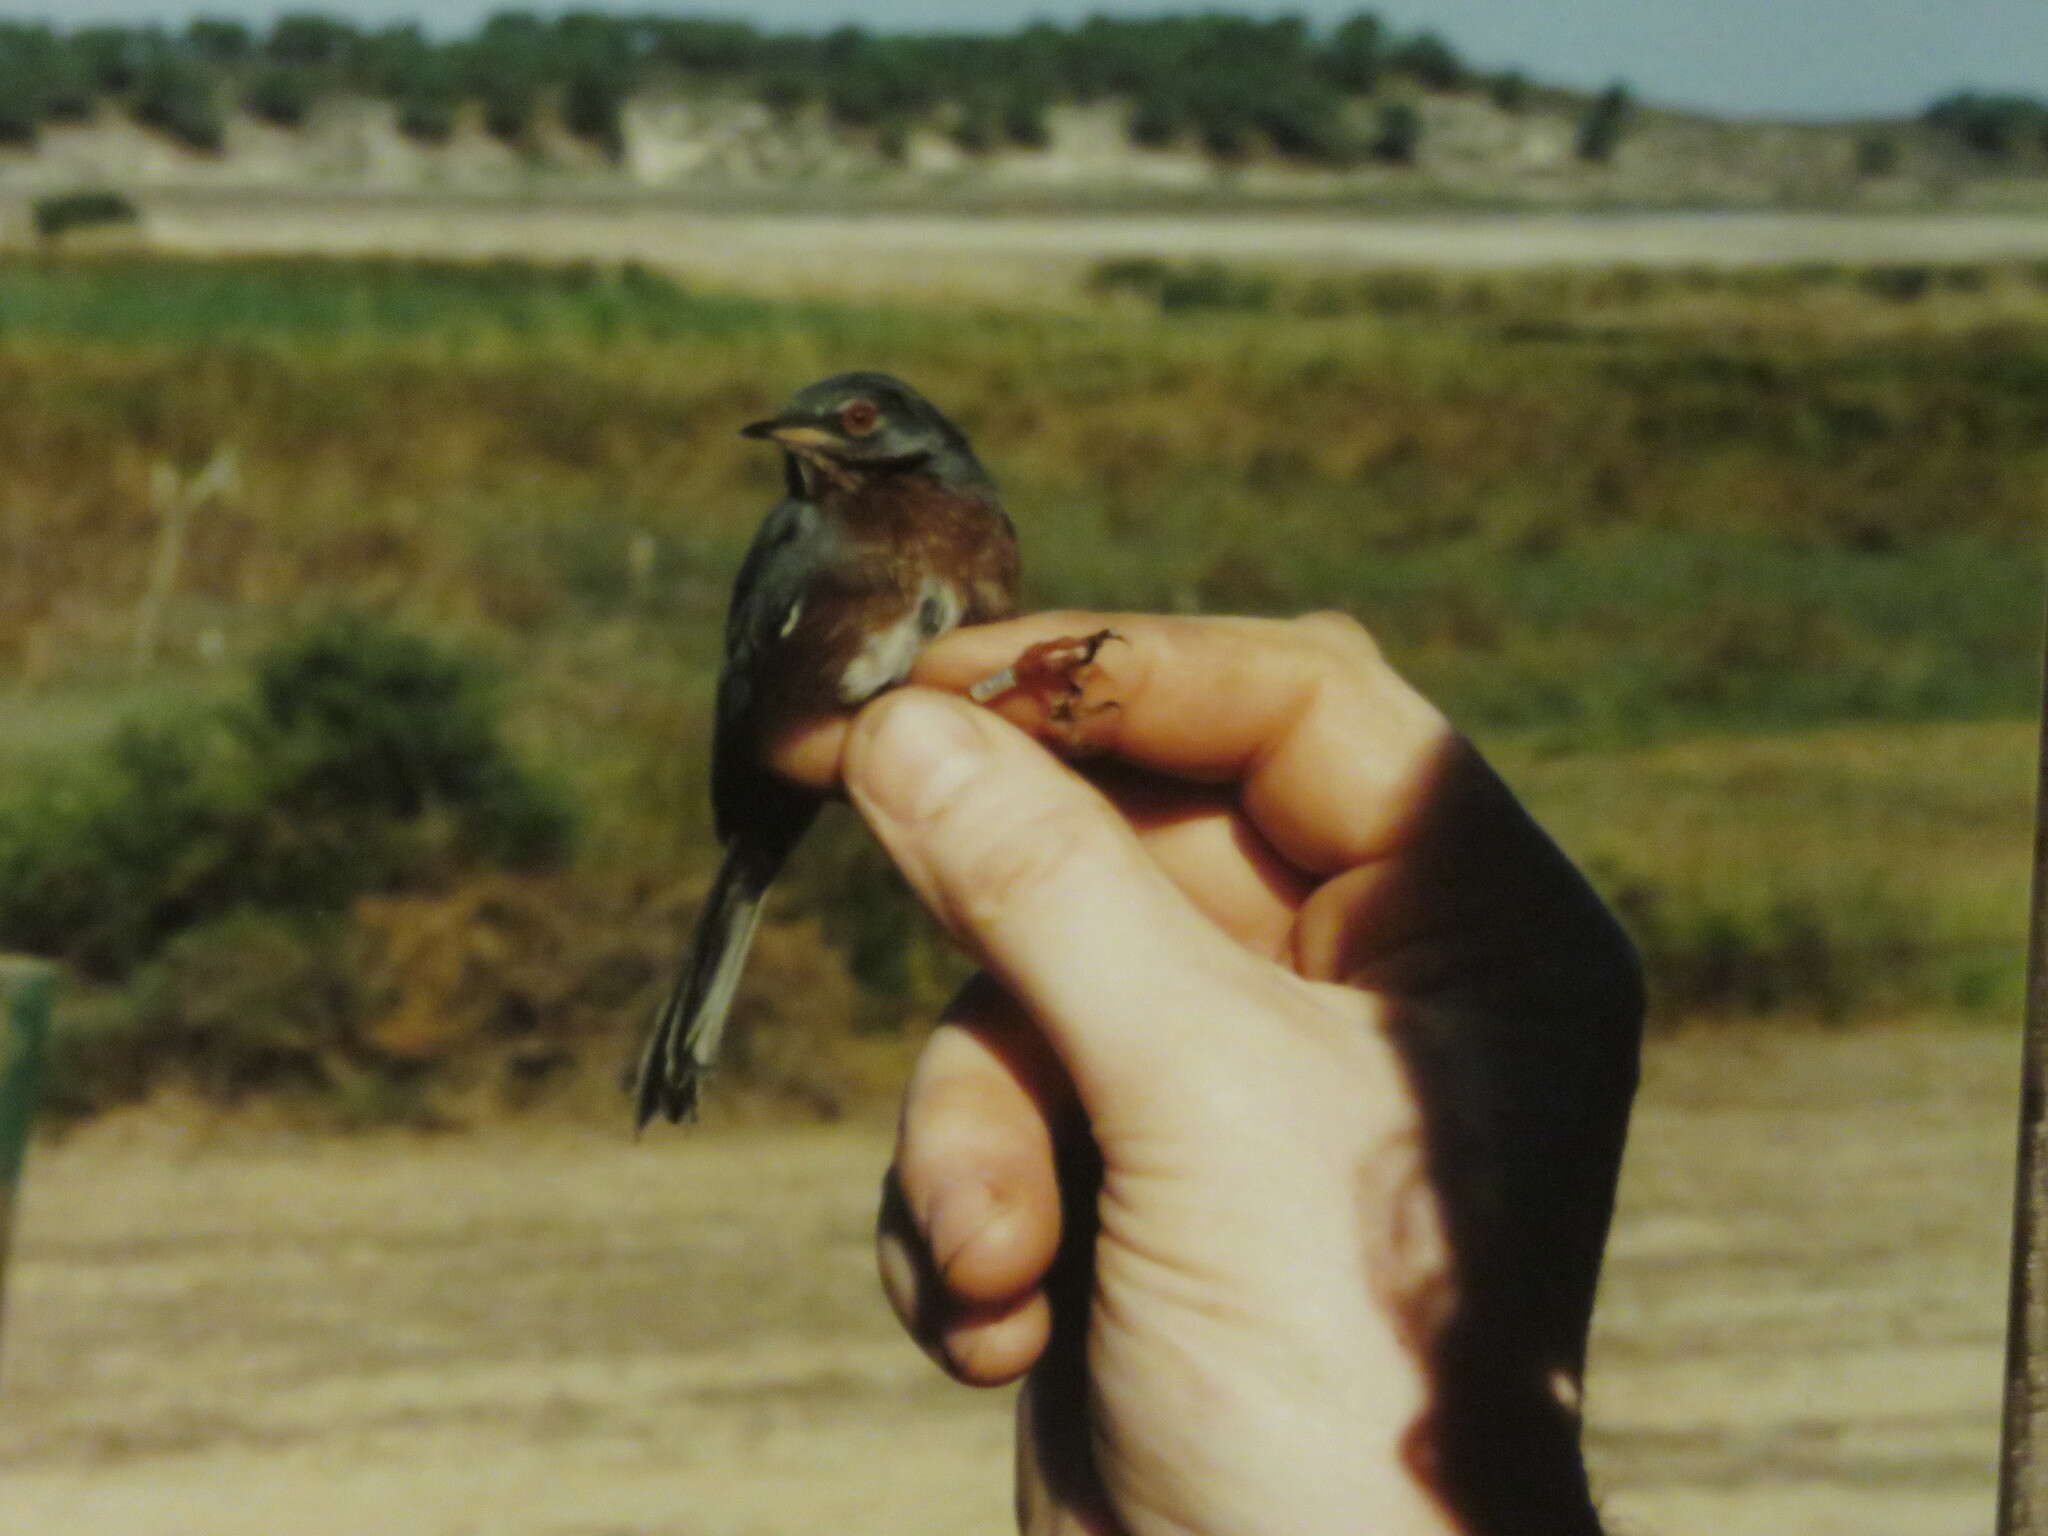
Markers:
790,434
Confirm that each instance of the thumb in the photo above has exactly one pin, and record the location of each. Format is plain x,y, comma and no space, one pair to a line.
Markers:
1037,873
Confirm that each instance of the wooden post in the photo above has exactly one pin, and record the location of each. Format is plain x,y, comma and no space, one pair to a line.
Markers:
24,1044
2023,1459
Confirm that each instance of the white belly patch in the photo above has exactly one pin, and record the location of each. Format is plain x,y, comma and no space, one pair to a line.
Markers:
887,657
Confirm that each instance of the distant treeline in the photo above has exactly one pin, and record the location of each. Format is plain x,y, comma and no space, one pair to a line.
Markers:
1228,84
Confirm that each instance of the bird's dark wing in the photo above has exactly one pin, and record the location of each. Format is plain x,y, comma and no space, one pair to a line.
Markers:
792,546
788,546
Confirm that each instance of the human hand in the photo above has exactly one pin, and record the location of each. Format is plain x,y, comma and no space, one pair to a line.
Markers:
1276,1150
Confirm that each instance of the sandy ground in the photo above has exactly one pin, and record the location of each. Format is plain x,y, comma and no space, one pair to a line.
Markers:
1022,256
562,1334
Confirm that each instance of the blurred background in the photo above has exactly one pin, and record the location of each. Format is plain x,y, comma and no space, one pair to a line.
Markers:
370,494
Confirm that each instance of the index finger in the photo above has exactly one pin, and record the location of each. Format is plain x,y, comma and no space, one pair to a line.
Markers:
1332,752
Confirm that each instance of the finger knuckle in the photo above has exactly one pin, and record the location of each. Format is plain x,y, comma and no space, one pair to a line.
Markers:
1339,635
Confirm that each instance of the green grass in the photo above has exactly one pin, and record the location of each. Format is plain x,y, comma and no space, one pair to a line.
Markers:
1853,872
1633,544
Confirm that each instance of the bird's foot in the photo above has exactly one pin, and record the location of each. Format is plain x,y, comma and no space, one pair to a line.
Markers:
1054,676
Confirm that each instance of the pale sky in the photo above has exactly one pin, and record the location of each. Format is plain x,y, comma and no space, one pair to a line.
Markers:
1791,58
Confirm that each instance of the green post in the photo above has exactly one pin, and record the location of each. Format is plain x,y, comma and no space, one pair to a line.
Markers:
24,1044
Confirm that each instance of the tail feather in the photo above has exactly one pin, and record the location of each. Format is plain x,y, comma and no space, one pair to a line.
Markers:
683,1043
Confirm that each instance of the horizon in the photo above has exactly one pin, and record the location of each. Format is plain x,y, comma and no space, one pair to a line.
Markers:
1832,59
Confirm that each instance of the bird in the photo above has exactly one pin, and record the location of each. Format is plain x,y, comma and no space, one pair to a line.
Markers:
889,533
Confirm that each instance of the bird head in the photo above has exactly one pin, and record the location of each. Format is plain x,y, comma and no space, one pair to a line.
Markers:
855,427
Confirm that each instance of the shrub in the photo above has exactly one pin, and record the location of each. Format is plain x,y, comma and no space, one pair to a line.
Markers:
115,58
1900,284
714,47
427,116
250,1001
1877,155
369,727
309,39
1128,274
219,40
67,89
1352,60
279,95
509,102
1991,126
58,215
1399,135
593,105
1204,285
1179,288
1600,129
974,130
1509,90
21,106
1429,61
1156,120
785,92
175,97
1305,123
1024,118
368,759
1223,119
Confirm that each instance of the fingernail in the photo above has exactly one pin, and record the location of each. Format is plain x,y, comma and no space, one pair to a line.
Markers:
918,755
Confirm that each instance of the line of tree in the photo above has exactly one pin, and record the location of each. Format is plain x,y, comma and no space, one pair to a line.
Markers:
1229,84
1995,127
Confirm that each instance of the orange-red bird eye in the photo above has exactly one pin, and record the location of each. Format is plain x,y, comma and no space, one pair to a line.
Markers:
860,418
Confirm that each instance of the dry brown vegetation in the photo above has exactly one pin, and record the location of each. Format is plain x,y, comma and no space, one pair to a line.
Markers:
1618,522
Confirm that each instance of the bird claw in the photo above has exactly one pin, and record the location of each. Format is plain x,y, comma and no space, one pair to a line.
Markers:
1054,675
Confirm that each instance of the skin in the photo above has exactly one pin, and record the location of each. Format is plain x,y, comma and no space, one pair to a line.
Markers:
1275,1149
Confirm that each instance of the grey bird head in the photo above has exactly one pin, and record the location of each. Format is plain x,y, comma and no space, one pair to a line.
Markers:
858,426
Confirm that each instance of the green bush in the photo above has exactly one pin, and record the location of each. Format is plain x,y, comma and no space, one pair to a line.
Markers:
1829,952
1157,119
1204,285
593,108
1509,90
1400,134
219,40
785,92
1992,126
367,728
280,95
114,58
1429,61
21,105
427,117
175,97
367,760
58,215
251,1001
1024,118
1355,53
1129,274
1305,123
1600,129
1901,284
1877,155
509,103
974,130
309,39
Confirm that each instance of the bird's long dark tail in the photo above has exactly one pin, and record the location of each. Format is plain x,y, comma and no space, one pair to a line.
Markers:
684,1040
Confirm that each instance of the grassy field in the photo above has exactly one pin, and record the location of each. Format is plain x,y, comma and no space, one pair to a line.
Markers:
1739,574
